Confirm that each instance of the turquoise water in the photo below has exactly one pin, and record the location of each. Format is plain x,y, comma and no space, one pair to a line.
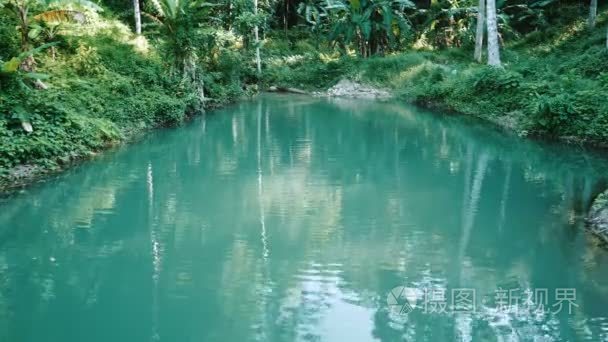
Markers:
291,218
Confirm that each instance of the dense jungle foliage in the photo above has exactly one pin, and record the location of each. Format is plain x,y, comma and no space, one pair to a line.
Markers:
77,76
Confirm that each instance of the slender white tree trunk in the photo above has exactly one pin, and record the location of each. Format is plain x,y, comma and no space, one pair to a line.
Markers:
481,18
592,13
257,40
493,48
137,13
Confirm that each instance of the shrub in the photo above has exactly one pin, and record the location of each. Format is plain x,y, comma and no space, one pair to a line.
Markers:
382,69
489,79
9,40
86,61
100,91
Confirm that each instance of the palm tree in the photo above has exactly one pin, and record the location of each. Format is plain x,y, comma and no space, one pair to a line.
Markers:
480,28
313,11
21,8
371,24
11,70
258,62
137,14
493,48
592,13
45,32
179,27
11,67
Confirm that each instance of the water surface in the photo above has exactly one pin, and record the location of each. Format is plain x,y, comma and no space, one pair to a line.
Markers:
291,218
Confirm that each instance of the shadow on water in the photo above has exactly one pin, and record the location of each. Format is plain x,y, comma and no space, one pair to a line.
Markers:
291,218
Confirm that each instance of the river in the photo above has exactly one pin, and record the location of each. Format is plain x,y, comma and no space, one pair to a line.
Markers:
293,218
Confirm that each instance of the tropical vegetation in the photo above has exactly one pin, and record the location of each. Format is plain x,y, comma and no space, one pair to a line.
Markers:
78,76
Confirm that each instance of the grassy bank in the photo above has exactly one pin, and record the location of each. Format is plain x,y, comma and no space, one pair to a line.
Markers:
104,86
553,84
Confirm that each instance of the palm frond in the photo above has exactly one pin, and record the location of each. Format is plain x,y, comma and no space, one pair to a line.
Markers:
83,3
153,18
13,64
158,7
61,16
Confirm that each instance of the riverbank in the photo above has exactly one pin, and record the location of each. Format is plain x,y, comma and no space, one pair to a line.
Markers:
102,86
107,86
552,84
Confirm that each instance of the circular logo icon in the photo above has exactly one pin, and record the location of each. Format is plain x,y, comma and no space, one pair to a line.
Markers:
402,300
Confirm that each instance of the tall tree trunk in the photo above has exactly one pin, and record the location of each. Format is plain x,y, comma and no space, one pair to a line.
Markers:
29,64
285,17
137,13
257,40
592,13
481,18
493,48
22,13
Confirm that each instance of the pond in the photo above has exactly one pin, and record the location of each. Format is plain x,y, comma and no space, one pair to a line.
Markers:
293,218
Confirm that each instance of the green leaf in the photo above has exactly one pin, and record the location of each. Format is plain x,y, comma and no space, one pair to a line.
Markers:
31,52
366,29
11,66
34,32
19,113
36,76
